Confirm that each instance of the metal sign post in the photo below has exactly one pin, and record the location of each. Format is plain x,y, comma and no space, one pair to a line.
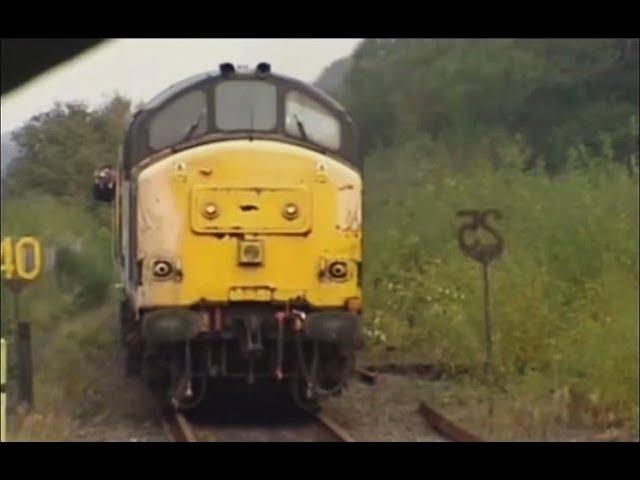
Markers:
484,253
24,363
21,264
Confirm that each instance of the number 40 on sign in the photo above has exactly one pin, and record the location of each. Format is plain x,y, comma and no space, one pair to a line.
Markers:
21,260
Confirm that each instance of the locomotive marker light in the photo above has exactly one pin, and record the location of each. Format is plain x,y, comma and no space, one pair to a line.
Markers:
21,264
338,270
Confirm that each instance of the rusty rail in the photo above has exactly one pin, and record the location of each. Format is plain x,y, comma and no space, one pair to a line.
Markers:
429,371
177,427
334,428
366,375
446,427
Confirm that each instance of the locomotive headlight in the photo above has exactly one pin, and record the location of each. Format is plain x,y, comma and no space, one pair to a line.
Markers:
162,269
290,211
250,252
338,270
210,210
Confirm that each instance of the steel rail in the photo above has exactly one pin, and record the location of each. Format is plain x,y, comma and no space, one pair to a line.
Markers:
335,429
367,376
177,427
446,427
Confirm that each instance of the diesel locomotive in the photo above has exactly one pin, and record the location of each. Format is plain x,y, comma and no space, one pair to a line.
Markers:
237,207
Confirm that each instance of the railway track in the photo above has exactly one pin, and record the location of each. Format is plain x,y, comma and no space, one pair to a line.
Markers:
320,428
428,371
444,427
179,429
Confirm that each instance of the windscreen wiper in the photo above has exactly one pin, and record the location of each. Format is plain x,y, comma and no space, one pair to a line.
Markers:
192,128
301,129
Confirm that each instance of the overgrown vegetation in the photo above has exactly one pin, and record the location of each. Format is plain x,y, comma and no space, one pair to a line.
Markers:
564,294
48,196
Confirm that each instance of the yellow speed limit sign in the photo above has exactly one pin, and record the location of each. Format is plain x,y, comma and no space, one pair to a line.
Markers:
21,259
20,264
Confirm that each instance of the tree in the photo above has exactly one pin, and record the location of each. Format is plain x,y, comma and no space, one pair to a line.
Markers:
558,94
62,147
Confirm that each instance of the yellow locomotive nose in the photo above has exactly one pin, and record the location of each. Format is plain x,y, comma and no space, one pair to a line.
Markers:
263,230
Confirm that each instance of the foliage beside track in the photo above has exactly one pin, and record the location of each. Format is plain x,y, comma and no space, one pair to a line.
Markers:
64,300
48,196
564,294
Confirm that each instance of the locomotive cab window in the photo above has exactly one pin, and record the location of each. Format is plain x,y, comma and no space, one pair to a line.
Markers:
310,121
246,105
182,119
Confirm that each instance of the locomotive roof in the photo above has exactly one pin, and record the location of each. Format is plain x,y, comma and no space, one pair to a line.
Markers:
136,147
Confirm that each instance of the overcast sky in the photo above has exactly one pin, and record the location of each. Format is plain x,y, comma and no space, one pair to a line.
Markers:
141,68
